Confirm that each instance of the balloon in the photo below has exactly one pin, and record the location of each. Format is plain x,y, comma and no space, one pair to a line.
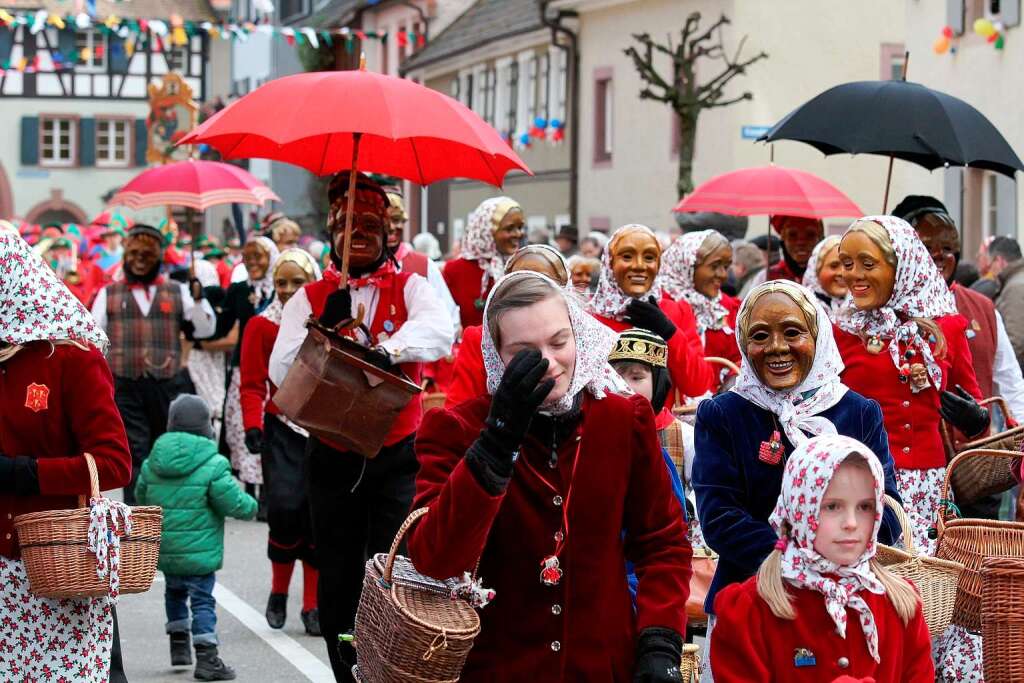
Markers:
1000,42
540,122
992,38
983,27
947,31
941,45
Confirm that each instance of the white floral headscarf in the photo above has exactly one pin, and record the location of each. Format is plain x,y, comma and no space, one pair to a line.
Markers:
264,287
919,292
809,471
676,278
478,243
35,305
609,300
797,409
811,280
594,342
305,261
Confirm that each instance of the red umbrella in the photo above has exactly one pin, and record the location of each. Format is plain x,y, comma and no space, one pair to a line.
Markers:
772,190
195,184
330,121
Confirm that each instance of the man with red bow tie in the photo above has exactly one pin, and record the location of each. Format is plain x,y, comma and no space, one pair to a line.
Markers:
358,503
143,316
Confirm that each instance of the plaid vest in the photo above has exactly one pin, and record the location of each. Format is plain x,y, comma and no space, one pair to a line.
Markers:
144,345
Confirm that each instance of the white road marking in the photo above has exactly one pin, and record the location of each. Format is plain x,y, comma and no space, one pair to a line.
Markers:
308,664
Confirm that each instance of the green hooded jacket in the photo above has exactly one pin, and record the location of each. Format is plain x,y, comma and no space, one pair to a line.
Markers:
192,482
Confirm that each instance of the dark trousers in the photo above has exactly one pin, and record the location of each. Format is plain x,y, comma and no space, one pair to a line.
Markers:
283,460
357,505
143,404
116,674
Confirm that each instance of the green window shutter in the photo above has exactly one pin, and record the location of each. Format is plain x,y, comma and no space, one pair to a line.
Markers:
141,137
87,142
29,140
117,57
66,42
6,43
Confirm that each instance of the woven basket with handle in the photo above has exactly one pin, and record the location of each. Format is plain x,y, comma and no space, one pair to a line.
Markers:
970,541
1002,618
55,549
408,627
936,579
983,477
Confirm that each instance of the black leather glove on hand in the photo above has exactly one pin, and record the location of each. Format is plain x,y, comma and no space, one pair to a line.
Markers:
19,475
379,358
647,315
337,308
254,440
658,654
513,406
963,412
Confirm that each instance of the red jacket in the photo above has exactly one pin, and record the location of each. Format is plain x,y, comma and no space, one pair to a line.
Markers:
749,644
463,278
621,507
982,339
780,271
911,420
722,344
57,403
256,388
469,377
691,375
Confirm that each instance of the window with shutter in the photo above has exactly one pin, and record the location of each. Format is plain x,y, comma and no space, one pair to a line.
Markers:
113,142
603,106
58,141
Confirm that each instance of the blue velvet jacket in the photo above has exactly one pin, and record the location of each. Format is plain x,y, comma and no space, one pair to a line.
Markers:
736,492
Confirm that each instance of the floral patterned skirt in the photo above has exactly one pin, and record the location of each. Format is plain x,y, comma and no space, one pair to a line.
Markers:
921,491
250,470
51,640
958,656
208,371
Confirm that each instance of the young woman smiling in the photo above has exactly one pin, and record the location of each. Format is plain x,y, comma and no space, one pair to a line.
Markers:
504,475
629,295
788,389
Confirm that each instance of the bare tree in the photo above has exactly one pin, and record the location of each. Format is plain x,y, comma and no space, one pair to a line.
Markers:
680,89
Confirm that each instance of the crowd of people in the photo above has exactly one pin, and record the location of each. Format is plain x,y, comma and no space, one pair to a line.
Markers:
611,404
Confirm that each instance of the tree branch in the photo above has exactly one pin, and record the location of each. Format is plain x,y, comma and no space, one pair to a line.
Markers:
726,103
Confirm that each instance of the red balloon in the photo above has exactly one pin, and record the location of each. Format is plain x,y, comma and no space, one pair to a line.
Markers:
993,37
947,31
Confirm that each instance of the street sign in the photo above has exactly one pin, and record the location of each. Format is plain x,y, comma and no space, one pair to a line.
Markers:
753,132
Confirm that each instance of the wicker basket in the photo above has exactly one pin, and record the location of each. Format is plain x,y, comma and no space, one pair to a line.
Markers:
935,579
1002,619
690,665
408,628
970,541
59,564
987,476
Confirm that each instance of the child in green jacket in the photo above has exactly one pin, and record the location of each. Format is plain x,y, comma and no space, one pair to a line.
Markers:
192,482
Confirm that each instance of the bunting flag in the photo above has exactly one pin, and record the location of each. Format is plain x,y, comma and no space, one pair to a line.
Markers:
176,31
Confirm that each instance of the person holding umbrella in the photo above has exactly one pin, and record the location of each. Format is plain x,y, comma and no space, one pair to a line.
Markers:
144,317
357,503
494,232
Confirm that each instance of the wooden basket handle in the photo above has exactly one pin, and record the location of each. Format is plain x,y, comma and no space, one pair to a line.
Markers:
959,460
94,482
725,362
402,530
906,525
1003,406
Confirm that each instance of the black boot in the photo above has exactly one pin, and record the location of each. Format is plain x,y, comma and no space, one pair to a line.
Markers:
277,609
210,667
181,648
311,620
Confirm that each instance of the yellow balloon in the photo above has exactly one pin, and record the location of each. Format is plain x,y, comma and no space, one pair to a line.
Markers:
941,45
984,27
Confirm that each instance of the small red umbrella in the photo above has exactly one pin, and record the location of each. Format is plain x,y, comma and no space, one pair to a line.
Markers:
330,121
773,190
194,184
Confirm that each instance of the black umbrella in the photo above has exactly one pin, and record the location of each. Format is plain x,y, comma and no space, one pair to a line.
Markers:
898,119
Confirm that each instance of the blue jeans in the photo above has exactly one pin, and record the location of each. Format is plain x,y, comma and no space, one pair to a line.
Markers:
178,592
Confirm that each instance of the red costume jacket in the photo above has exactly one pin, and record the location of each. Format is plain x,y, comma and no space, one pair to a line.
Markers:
463,278
911,420
721,343
469,377
622,506
256,387
982,339
57,403
751,645
691,375
780,270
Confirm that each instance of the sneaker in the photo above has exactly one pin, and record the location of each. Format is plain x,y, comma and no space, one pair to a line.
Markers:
277,609
181,648
210,667
311,620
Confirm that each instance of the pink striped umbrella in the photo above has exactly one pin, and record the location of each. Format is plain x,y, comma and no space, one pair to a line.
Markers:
772,190
193,184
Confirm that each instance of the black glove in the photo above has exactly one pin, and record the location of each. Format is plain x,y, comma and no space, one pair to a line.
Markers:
337,308
659,652
513,406
379,358
647,315
963,412
254,440
19,475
